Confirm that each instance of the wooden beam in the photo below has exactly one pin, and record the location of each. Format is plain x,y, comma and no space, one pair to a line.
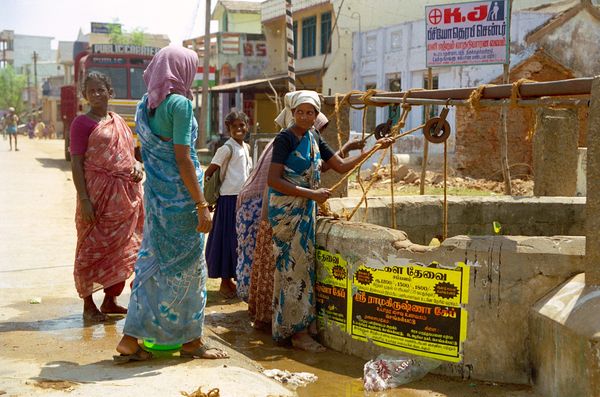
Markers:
579,86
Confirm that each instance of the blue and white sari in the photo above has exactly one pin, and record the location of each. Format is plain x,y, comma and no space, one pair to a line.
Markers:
293,221
169,290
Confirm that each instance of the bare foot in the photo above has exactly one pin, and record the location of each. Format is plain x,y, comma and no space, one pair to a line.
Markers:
262,326
110,306
303,341
91,312
199,349
228,289
129,345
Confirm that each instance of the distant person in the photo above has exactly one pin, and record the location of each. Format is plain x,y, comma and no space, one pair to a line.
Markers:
233,162
30,128
12,121
3,127
39,129
50,131
169,290
109,216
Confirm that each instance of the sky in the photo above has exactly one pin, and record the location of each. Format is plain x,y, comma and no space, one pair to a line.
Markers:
62,19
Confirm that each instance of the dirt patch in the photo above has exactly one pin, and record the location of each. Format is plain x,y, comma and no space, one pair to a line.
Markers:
55,384
407,179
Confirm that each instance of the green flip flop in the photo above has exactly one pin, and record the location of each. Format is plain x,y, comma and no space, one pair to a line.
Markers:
139,355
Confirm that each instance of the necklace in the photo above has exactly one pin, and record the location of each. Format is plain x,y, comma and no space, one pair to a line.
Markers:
97,117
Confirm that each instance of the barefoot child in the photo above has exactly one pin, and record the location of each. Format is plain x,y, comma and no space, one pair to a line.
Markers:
233,162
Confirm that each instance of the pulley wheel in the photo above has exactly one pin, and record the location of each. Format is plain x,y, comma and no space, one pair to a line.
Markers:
383,130
430,127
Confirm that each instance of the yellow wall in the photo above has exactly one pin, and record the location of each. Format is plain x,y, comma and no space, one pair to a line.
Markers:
265,113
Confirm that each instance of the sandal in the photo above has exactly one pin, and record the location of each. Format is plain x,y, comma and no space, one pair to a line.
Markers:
308,344
201,352
139,355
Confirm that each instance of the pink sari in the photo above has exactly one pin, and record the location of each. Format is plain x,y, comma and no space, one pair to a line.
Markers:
107,249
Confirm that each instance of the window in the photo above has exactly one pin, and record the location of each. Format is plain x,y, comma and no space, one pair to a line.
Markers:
433,110
309,37
118,76
325,33
394,85
371,113
138,86
295,30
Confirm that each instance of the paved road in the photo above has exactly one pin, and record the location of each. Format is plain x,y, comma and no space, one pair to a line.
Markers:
46,349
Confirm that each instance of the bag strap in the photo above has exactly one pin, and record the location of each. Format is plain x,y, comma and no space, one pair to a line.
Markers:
226,163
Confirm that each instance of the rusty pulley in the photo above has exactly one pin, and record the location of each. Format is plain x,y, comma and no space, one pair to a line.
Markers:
385,129
437,129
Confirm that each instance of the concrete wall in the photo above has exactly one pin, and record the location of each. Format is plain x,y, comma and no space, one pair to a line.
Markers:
509,275
421,216
555,152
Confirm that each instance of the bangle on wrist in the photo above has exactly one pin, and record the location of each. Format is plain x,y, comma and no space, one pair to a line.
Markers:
202,204
83,198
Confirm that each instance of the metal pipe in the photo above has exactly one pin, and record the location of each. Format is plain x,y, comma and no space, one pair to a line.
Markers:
579,86
541,101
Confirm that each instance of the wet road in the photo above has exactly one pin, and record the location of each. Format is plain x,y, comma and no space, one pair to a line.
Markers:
46,349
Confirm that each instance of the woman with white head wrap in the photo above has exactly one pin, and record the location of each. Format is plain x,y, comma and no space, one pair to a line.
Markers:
294,178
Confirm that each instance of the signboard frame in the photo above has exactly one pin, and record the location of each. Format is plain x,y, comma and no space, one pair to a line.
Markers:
506,21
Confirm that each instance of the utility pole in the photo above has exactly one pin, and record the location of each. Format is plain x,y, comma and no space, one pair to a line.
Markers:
289,31
201,142
28,88
35,84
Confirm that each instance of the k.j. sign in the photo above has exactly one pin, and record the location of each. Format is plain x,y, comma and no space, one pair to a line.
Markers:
475,33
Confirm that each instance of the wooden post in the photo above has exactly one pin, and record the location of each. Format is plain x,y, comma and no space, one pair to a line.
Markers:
503,138
503,132
425,141
202,125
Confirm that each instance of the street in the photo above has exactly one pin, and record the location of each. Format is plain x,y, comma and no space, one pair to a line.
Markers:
46,349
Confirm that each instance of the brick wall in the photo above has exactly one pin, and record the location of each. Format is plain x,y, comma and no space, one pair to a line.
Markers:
477,144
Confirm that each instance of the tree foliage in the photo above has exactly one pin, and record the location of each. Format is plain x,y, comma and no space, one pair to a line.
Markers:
11,89
119,36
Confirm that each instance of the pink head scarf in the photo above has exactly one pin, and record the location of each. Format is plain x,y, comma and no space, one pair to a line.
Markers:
171,70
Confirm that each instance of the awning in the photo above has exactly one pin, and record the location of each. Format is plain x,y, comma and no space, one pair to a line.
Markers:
279,82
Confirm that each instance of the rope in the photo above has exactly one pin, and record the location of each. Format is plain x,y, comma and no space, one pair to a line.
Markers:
515,91
370,153
445,221
337,121
475,97
358,176
199,393
392,188
364,196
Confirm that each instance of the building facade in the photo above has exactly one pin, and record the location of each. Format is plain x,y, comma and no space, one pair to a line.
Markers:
238,53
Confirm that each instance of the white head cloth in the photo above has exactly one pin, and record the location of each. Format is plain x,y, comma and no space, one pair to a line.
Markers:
294,99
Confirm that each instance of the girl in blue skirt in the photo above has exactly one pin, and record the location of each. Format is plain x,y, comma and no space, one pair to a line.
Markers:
234,163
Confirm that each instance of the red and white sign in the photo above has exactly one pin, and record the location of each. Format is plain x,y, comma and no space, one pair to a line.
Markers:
200,76
475,33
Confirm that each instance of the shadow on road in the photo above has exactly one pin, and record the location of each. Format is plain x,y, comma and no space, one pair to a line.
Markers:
104,370
61,164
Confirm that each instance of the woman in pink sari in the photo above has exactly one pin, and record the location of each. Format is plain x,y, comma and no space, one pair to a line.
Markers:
110,214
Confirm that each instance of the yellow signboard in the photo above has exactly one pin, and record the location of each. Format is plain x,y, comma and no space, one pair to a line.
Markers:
331,289
413,308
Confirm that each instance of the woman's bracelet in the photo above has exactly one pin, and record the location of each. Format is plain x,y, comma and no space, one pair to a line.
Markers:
202,204
83,198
